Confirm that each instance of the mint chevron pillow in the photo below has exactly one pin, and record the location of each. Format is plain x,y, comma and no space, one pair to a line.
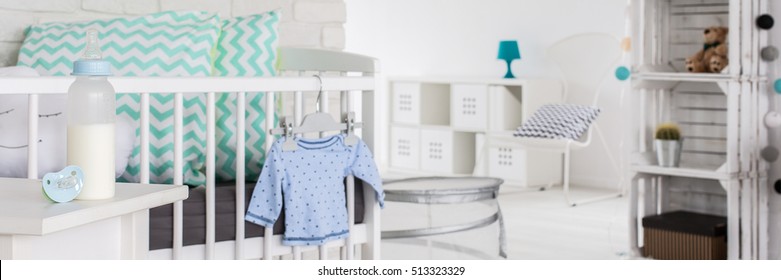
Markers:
247,47
161,44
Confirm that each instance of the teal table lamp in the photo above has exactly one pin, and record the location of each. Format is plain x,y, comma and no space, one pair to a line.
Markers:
508,51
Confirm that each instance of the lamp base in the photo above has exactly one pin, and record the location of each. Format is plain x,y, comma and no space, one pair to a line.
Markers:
509,74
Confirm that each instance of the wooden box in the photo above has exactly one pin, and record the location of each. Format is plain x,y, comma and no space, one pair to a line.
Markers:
683,235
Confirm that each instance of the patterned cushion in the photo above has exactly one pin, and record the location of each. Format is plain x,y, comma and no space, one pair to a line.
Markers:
161,44
558,121
247,47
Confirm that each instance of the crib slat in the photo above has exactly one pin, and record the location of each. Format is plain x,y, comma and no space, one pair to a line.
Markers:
210,168
270,109
297,253
323,252
268,233
178,139
350,216
240,165
343,103
298,109
144,138
178,172
32,136
323,102
349,249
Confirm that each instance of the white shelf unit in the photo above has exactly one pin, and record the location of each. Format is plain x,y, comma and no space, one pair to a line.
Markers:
438,126
720,172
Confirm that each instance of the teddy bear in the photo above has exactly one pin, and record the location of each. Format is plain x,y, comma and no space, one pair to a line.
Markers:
715,39
718,63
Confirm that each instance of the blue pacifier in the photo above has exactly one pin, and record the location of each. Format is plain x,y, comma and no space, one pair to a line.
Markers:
65,185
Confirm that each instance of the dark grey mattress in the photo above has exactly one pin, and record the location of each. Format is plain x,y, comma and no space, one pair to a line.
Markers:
194,231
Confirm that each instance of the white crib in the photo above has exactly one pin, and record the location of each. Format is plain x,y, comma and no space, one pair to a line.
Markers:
349,74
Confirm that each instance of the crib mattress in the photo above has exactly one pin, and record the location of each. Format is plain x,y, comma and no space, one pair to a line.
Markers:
194,217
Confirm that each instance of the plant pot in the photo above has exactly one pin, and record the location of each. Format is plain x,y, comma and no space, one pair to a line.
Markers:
668,152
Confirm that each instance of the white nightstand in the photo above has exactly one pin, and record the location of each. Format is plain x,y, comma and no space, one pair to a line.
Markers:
32,227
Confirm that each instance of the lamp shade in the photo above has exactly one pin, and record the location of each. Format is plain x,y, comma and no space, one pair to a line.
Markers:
508,50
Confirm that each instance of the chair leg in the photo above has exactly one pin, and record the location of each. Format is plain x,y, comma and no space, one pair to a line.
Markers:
566,176
566,185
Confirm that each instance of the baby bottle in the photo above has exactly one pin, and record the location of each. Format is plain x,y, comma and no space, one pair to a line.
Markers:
91,110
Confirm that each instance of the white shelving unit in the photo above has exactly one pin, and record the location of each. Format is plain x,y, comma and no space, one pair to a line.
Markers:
720,172
438,127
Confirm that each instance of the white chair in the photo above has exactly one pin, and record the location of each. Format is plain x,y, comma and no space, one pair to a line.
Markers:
585,62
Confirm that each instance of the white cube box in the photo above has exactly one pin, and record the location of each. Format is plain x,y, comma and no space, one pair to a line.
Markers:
469,106
405,148
522,167
420,103
447,152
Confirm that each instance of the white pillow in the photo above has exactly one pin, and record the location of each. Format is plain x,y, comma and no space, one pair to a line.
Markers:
52,131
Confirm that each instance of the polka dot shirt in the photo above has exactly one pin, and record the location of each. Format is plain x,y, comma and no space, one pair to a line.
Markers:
309,183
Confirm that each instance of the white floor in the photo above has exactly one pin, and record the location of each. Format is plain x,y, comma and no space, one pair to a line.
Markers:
539,225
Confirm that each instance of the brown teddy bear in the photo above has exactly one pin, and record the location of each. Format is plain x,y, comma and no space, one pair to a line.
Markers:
718,63
715,39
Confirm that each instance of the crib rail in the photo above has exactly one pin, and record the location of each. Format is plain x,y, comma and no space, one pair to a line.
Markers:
268,246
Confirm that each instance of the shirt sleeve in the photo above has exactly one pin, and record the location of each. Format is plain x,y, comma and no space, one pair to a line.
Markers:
364,167
266,202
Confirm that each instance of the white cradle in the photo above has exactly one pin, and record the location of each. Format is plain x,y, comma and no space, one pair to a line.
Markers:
349,74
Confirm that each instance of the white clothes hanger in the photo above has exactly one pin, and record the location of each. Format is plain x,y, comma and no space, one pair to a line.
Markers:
316,122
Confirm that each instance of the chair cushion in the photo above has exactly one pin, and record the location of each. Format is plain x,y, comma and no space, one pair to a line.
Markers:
558,121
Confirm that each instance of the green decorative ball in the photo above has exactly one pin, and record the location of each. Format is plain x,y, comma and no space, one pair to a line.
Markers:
622,73
777,86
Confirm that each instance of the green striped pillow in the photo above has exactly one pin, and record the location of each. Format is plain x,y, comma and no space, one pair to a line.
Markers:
247,47
162,44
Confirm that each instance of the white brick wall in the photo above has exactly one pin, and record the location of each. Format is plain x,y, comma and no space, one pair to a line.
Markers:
128,7
320,12
305,23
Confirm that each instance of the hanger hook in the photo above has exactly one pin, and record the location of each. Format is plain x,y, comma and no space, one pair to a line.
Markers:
319,92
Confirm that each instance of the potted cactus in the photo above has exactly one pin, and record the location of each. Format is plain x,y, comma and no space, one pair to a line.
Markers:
668,144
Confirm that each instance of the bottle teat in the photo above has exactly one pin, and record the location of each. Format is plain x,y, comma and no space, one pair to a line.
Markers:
91,62
92,49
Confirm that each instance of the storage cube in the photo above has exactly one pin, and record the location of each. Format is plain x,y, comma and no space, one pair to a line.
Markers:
408,99
469,106
447,152
523,167
683,235
405,148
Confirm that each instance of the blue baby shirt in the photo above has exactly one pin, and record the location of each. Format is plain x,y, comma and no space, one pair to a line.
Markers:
310,180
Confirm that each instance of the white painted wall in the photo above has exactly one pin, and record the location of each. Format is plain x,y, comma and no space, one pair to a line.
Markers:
305,23
460,38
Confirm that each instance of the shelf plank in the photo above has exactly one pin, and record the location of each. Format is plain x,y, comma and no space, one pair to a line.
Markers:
684,77
690,172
